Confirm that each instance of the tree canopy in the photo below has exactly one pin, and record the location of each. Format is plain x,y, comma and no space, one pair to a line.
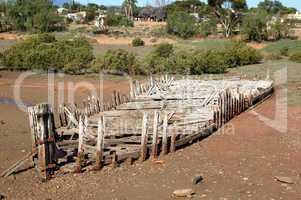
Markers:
228,13
275,7
33,15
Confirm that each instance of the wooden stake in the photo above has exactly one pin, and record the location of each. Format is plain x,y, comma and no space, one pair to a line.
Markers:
155,135
80,151
100,143
164,136
144,137
173,139
114,160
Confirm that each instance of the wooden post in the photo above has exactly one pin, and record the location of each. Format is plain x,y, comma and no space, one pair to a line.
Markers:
222,109
129,161
80,150
155,135
164,134
100,143
144,137
132,92
173,139
114,160
43,139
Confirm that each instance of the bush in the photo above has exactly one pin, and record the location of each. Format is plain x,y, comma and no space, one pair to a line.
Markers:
158,60
284,51
213,61
181,24
119,20
164,50
296,57
207,28
44,52
137,42
117,62
238,54
254,25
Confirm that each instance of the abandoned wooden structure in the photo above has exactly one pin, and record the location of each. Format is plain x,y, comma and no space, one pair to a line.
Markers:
156,118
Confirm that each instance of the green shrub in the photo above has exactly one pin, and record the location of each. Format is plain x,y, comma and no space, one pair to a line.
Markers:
44,52
119,20
181,63
164,50
158,60
238,54
117,62
207,28
211,62
284,51
137,42
296,57
181,24
254,25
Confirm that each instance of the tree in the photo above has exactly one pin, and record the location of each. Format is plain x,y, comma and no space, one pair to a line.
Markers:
181,24
272,7
33,15
254,25
130,8
275,7
228,13
189,6
92,10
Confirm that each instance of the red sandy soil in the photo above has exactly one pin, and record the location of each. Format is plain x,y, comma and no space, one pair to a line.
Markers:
106,40
237,162
256,45
9,36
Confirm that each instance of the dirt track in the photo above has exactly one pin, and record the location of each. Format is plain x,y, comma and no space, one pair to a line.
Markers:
239,162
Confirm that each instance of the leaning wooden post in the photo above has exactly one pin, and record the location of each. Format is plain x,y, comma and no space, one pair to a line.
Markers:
80,151
100,144
155,135
164,134
144,137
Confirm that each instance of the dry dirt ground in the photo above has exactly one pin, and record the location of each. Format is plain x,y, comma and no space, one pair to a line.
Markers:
239,161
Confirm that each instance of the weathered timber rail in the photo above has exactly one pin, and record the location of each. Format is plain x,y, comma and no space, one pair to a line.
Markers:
158,117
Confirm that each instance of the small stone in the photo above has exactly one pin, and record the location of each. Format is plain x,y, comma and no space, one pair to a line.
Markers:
284,179
183,192
197,179
2,122
245,178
